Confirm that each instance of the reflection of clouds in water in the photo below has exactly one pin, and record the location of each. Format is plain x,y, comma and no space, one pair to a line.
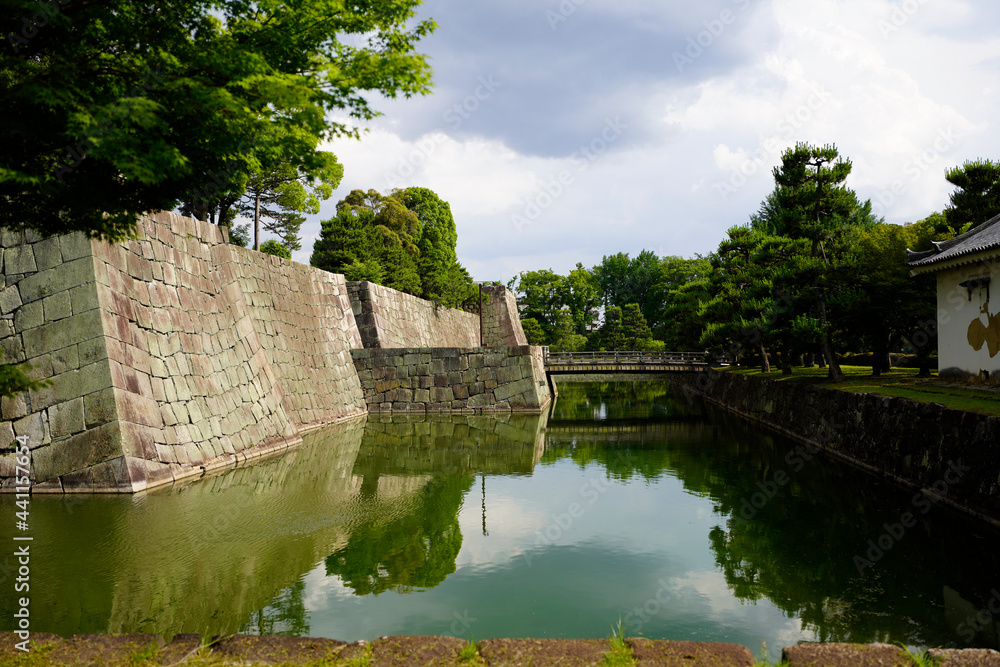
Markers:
512,524
706,593
322,589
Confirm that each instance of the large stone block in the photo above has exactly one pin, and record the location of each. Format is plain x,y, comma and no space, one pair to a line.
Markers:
66,332
19,259
67,418
63,277
77,452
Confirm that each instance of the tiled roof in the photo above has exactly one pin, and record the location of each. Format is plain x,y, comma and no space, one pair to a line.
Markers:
984,237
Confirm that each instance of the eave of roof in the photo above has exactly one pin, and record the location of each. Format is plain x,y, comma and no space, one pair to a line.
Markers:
981,239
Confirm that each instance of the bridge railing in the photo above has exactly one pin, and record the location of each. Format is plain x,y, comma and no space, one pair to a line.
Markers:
622,357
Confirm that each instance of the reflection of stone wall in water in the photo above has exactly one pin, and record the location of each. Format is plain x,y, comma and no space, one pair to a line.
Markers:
203,556
175,352
412,445
419,547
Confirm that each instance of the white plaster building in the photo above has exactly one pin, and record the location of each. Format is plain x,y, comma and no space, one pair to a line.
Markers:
968,322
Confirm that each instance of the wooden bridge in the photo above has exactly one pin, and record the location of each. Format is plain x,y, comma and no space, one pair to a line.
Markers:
623,362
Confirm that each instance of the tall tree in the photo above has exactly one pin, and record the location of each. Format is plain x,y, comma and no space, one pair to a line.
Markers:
276,196
811,203
442,278
112,108
580,294
977,197
540,297
623,280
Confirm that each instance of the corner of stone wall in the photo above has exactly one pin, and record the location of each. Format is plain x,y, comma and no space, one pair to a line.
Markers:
51,318
501,322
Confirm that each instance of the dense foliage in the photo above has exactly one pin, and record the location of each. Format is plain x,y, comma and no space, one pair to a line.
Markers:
112,108
812,274
404,240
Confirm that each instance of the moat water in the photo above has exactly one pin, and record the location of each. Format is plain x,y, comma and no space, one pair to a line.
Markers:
626,503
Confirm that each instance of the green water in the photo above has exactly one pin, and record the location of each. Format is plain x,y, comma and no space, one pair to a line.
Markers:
625,502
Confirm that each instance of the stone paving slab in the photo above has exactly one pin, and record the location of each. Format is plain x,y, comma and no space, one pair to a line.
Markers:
970,657
89,649
844,655
267,650
400,651
538,652
690,654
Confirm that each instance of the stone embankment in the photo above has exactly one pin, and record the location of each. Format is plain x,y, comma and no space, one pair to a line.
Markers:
951,456
390,319
400,651
175,353
453,379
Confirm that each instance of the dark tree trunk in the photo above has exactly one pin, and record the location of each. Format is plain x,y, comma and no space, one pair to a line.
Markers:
786,360
808,360
765,364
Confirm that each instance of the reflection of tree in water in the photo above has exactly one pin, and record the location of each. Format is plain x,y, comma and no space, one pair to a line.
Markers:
628,428
414,550
632,399
285,615
797,548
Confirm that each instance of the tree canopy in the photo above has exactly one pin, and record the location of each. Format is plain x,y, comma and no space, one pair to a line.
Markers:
113,108
977,195
404,240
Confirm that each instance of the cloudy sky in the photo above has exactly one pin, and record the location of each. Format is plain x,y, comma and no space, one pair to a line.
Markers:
562,131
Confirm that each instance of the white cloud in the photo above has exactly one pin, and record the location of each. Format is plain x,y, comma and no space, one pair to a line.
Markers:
902,104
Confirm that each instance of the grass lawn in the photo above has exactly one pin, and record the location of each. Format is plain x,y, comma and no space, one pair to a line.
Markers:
902,382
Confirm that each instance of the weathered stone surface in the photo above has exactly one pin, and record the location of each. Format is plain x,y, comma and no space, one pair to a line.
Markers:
66,418
102,649
916,442
391,319
690,654
19,259
844,655
403,651
275,649
10,299
519,652
970,657
402,380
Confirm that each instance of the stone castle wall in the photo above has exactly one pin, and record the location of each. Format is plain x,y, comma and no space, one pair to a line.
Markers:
166,358
916,444
174,353
444,379
304,320
501,323
388,318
